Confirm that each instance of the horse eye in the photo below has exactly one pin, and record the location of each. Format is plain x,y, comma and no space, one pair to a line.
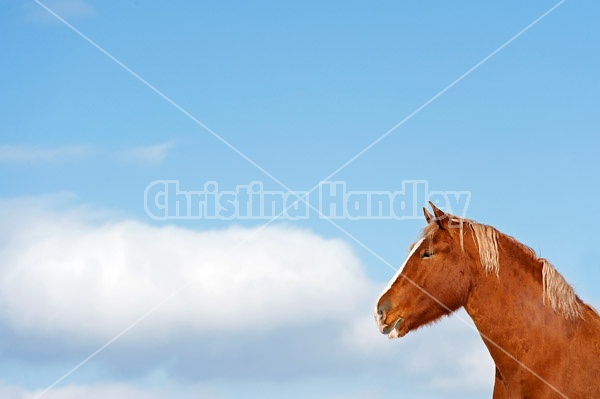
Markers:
426,254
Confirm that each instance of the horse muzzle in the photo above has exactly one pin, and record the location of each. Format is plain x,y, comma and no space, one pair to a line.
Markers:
384,328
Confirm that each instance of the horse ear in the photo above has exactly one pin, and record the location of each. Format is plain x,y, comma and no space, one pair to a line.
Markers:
440,217
428,216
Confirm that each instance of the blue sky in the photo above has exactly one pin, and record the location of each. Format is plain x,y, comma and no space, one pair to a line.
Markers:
300,89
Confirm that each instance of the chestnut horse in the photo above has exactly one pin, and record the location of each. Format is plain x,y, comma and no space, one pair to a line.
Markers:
545,342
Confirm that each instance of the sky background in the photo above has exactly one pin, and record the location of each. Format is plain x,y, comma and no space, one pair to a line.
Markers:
299,88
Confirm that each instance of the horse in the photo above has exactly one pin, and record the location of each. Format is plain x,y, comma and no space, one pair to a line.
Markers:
543,339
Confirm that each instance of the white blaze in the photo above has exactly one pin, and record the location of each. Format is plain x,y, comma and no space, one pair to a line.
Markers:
393,280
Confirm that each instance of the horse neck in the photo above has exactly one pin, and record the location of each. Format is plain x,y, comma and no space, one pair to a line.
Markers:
511,301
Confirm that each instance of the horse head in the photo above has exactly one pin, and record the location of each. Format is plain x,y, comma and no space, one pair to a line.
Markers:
434,281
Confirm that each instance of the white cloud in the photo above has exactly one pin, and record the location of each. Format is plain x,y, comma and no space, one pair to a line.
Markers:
153,154
446,357
104,391
31,154
363,337
65,273
473,370
452,357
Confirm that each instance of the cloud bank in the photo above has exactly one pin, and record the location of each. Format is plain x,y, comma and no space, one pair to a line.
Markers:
64,273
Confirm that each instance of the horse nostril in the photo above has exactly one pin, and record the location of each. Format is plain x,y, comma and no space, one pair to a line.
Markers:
383,307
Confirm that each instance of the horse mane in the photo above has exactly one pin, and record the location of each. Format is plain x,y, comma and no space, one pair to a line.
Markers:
556,290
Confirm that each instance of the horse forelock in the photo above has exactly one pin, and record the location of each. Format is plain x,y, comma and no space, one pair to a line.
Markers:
429,231
556,291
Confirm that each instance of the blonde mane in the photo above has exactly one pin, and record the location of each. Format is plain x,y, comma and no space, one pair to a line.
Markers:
556,290
559,293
